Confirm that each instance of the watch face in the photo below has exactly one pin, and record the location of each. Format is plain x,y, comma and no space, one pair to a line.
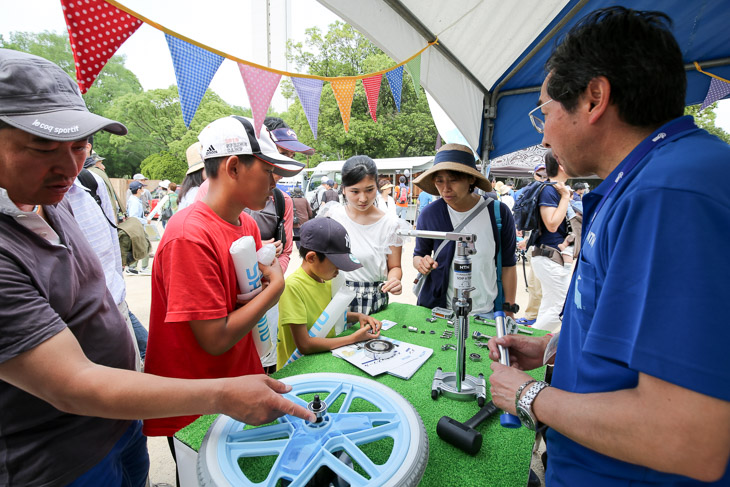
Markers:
525,417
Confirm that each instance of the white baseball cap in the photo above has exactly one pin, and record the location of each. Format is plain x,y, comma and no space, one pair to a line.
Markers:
234,135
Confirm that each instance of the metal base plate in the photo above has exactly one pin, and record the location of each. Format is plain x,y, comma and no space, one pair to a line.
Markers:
471,387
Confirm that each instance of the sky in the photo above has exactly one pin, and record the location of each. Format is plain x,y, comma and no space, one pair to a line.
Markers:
234,27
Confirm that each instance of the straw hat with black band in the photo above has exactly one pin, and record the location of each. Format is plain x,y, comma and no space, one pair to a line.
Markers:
452,157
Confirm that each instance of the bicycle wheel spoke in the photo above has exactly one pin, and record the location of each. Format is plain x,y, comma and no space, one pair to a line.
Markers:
269,432
257,448
349,396
295,399
348,474
332,396
359,457
308,471
376,416
375,433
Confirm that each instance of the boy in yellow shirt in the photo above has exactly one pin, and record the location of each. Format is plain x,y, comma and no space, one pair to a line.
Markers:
325,250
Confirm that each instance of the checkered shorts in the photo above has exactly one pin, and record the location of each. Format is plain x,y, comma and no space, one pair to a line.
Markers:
369,298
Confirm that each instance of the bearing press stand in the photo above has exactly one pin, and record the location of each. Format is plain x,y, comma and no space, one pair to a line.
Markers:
458,385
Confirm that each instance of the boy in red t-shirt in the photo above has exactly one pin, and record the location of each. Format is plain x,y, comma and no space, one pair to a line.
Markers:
197,327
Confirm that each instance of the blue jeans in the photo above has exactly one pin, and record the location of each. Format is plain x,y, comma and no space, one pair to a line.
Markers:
140,333
126,465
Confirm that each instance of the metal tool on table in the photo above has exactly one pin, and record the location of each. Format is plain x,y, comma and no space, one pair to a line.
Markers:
506,419
464,436
458,385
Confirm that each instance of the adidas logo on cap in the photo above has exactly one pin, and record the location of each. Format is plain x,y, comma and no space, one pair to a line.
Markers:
210,150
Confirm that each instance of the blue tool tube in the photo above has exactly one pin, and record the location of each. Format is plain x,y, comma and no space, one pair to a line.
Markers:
507,420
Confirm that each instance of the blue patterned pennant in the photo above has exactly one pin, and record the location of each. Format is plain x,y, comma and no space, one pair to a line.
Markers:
194,69
395,81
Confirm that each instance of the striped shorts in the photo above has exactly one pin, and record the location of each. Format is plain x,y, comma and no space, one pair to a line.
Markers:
369,298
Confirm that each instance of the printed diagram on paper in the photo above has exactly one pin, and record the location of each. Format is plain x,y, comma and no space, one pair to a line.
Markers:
407,360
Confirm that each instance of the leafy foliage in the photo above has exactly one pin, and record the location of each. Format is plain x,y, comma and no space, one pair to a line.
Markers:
114,80
342,51
164,165
706,119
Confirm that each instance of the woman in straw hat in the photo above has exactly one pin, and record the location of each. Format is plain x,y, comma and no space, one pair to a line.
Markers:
193,178
454,177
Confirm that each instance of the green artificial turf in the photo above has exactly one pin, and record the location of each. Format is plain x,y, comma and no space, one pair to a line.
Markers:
504,458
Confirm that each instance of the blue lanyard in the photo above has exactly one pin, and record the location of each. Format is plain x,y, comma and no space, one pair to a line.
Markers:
657,139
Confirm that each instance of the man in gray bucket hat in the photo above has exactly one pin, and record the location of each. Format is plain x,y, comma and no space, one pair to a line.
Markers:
66,356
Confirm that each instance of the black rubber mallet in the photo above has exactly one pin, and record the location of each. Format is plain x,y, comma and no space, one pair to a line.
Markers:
463,435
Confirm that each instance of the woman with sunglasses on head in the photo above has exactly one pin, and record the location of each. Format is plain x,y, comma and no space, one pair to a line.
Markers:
373,238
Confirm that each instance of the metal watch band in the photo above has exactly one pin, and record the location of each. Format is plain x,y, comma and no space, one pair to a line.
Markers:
520,389
525,404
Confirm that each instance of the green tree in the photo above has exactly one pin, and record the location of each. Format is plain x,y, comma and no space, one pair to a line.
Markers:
706,119
345,52
164,165
155,124
114,79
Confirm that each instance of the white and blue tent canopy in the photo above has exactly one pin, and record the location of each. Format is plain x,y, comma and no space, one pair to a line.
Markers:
488,66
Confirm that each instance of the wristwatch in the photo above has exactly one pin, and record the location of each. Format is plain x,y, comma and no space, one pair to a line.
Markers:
520,389
524,405
510,308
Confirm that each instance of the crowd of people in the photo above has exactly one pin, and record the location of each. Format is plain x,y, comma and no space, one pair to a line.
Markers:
622,406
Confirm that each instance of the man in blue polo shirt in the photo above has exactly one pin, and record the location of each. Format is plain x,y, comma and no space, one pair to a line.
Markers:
641,388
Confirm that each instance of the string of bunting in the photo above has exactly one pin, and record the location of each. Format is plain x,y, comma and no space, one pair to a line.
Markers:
97,28
719,87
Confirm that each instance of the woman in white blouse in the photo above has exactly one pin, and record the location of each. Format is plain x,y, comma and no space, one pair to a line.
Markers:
373,238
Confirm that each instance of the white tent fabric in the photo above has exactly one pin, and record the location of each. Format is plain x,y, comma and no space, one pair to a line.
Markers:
453,23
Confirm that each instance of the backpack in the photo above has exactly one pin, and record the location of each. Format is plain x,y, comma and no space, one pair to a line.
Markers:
295,218
402,194
279,232
526,210
314,202
90,185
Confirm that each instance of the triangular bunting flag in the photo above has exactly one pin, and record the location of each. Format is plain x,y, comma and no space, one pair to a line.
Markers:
372,92
344,90
309,92
260,86
194,69
395,80
718,90
414,69
96,30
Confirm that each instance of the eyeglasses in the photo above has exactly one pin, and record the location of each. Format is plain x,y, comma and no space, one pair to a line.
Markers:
538,122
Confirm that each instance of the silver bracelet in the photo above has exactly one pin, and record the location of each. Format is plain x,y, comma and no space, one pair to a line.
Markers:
520,389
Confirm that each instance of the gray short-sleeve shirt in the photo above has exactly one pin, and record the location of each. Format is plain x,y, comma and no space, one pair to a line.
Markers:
45,288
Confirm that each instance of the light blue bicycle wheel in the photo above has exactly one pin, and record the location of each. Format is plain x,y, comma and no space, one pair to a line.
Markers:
302,448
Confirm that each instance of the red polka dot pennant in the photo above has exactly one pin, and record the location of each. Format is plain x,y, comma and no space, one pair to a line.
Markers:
372,92
96,30
260,86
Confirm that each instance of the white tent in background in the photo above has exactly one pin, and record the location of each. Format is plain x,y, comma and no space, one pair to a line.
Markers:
487,68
